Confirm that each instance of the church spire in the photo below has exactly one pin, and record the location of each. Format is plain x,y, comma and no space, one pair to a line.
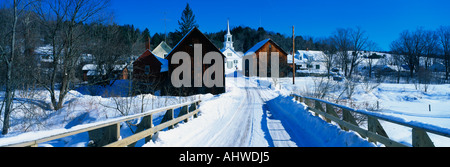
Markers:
228,25
228,43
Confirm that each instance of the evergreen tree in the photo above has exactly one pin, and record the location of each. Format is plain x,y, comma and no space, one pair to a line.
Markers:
187,21
145,35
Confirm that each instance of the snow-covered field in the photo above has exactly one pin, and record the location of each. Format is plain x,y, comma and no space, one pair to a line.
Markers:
253,112
407,101
33,118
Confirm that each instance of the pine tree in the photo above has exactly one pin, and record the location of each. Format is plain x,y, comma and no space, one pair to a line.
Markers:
145,35
187,21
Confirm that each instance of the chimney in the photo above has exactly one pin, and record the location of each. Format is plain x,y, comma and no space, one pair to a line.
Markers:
147,44
307,49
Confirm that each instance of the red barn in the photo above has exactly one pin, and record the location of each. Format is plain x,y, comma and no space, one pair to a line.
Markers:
149,73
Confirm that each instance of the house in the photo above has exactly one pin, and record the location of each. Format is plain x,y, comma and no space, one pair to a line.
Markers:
149,73
162,50
233,59
92,74
191,40
309,62
252,59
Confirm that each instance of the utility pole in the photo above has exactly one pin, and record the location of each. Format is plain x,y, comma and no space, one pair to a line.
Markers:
165,26
293,56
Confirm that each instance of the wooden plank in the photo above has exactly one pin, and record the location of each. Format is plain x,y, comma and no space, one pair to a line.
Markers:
95,126
183,111
318,106
330,110
420,138
386,141
105,135
145,133
193,108
375,127
143,125
150,119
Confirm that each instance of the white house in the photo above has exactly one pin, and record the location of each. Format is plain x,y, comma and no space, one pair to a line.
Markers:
233,59
309,61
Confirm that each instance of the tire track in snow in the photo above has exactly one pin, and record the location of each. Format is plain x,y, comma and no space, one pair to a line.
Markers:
213,141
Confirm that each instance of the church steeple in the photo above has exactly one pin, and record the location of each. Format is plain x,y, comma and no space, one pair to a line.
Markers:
228,43
228,27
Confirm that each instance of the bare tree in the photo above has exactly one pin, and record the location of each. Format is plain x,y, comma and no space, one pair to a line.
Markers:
397,61
371,46
359,41
444,40
410,46
328,47
64,20
18,7
342,39
430,40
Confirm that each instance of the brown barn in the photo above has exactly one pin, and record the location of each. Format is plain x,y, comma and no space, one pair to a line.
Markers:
149,73
251,59
194,36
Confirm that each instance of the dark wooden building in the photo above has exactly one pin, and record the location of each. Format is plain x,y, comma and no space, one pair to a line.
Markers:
193,37
252,59
149,73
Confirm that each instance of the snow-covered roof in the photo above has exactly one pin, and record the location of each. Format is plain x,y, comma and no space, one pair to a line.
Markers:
45,50
256,47
234,53
304,56
312,55
162,50
164,64
89,67
297,59
92,68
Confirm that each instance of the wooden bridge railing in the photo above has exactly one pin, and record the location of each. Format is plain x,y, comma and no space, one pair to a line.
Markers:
344,117
107,133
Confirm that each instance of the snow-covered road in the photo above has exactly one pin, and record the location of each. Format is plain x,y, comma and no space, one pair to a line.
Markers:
242,117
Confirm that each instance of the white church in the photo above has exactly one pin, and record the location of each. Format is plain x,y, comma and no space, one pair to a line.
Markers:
233,59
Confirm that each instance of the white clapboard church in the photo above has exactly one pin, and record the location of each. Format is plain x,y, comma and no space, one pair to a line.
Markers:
233,59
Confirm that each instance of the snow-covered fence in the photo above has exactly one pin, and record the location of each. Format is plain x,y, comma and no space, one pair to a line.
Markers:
344,117
107,133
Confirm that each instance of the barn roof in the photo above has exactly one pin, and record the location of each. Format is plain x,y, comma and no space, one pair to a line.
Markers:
258,46
164,62
192,31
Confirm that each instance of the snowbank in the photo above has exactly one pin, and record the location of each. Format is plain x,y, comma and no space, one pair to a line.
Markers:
308,130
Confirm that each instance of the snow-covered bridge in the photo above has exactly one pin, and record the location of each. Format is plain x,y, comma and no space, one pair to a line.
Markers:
249,114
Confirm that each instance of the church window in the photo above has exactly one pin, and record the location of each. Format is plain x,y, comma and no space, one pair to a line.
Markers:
229,64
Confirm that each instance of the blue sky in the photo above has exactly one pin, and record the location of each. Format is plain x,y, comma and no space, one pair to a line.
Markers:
383,20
